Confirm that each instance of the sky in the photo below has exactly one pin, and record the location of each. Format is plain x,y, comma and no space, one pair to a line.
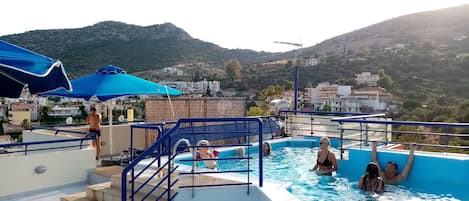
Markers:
245,24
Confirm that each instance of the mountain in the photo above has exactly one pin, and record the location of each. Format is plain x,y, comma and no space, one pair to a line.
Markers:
426,54
135,48
443,26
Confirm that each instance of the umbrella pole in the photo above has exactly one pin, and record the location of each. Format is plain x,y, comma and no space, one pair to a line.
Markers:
169,98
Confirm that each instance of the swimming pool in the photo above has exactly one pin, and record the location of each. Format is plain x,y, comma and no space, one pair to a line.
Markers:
291,161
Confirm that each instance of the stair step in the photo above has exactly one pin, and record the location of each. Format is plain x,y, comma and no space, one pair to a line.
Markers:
75,197
108,171
104,192
95,192
116,182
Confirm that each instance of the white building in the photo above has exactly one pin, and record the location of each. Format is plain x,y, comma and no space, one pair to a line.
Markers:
31,108
310,61
372,98
344,99
57,111
345,104
324,93
195,87
172,71
366,78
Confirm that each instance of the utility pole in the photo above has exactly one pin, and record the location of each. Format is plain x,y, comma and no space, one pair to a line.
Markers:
295,98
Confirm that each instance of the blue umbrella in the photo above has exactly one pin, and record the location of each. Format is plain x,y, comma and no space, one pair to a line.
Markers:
112,82
20,67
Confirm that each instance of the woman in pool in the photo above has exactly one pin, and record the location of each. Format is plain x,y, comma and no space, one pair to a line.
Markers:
326,162
266,149
371,181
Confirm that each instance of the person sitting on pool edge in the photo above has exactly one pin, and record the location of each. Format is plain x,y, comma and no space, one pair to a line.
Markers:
371,181
326,162
266,149
206,153
390,174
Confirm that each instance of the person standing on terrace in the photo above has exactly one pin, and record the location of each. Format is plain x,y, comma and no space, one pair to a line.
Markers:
390,174
326,162
94,120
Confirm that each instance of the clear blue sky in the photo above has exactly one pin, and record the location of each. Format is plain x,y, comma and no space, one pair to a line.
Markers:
251,24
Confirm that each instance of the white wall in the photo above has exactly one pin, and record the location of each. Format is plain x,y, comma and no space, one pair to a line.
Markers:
17,173
225,193
42,135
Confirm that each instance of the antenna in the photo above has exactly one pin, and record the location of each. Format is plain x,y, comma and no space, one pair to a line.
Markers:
288,43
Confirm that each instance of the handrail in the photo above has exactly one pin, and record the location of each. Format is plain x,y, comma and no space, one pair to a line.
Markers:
84,124
58,130
324,113
166,137
404,123
341,119
26,144
363,121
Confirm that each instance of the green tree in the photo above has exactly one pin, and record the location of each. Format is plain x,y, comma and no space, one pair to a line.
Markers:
233,69
289,85
384,80
269,92
26,124
255,111
410,104
309,85
327,108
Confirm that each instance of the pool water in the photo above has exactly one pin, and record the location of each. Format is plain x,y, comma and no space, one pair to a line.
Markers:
292,164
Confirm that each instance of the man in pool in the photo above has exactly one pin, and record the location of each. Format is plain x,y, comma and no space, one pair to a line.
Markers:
390,174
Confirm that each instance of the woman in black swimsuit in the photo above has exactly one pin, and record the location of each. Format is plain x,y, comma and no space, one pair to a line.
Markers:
326,162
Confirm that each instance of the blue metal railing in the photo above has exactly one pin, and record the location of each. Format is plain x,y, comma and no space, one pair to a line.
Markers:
26,145
84,124
224,131
363,120
168,137
306,122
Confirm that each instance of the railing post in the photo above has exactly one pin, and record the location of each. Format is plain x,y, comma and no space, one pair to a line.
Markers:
270,126
169,167
132,142
160,147
25,149
261,157
386,130
366,134
361,134
123,186
311,121
341,140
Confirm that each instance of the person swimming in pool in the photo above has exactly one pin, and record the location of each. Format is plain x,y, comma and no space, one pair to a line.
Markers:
390,174
206,153
266,149
371,181
326,162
